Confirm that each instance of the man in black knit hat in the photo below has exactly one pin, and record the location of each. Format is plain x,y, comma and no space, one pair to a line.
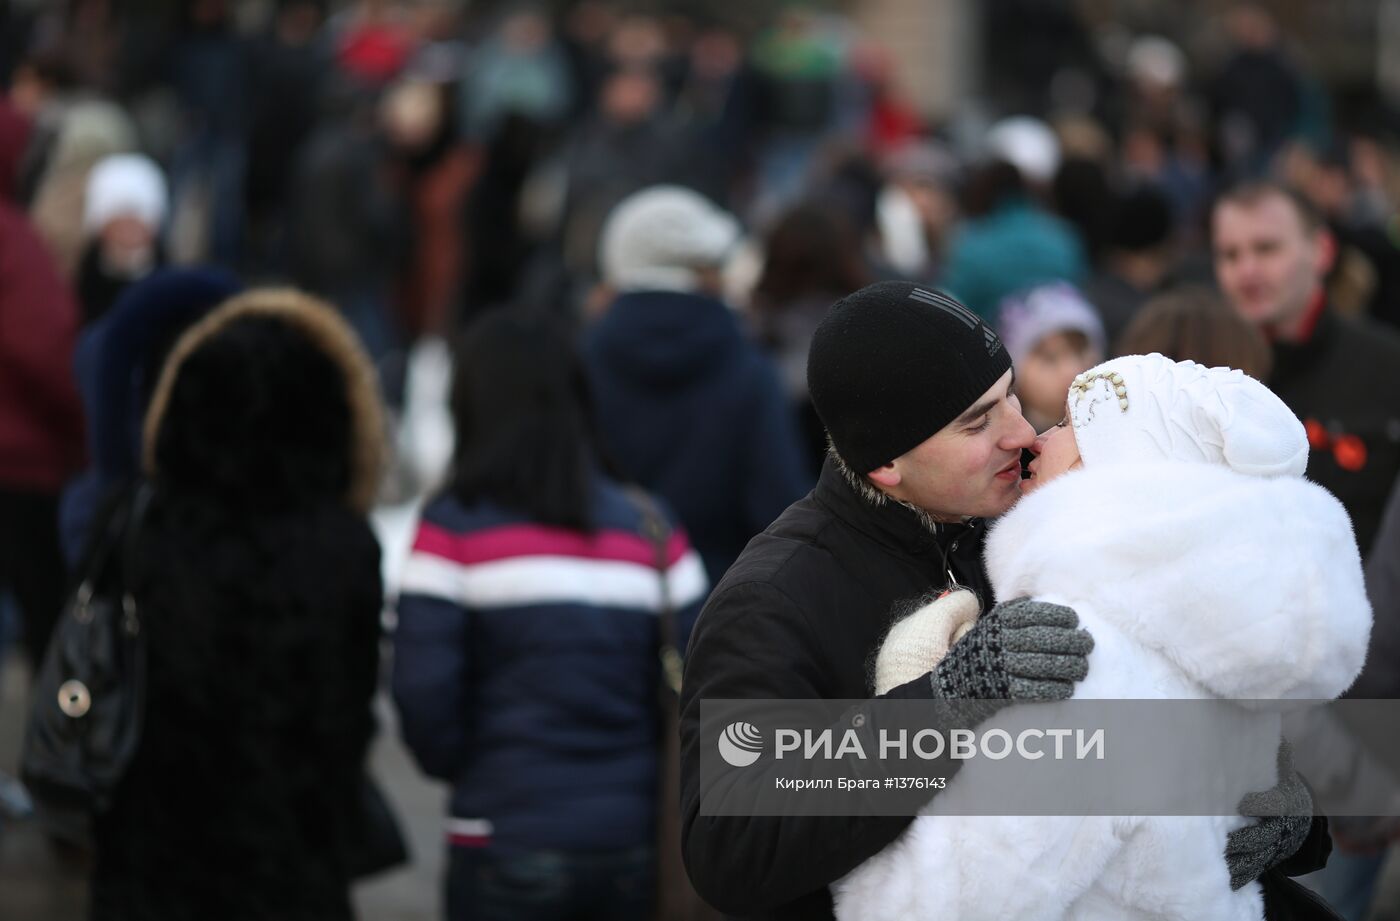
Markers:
926,435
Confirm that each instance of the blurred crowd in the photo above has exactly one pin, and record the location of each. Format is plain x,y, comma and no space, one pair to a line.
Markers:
676,197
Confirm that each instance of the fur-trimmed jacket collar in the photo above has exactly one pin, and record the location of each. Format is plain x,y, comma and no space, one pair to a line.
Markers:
1251,586
269,396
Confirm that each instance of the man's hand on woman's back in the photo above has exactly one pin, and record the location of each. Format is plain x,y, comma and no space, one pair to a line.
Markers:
1019,650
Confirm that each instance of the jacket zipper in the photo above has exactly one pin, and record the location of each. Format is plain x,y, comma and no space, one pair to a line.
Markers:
947,555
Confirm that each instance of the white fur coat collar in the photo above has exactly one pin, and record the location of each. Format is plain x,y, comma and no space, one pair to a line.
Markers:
1252,586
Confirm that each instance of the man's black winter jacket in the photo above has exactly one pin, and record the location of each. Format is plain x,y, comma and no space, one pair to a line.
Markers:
800,615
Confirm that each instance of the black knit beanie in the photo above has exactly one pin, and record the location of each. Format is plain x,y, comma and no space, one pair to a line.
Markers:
892,364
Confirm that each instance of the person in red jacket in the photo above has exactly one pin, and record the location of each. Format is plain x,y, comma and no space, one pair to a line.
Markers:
40,423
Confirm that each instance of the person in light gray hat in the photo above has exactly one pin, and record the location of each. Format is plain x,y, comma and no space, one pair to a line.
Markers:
687,404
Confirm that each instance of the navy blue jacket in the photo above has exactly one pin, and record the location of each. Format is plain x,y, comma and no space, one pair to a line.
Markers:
526,671
693,410
117,362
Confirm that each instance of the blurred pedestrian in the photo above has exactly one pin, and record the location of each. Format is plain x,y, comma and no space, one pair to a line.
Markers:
16,128
87,132
1257,97
289,66
346,227
1195,324
518,70
1361,844
811,258
526,668
922,185
257,582
116,365
210,75
124,216
1004,218
1053,335
687,403
432,172
1341,376
40,425
628,144
1138,260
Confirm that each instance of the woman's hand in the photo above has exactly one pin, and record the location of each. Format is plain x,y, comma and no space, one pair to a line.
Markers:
916,644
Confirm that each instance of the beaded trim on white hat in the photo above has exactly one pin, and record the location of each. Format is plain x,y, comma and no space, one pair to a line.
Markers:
1079,389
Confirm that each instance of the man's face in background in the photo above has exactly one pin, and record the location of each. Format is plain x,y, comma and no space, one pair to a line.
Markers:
1268,262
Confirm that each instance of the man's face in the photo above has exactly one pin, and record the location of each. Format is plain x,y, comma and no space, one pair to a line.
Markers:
971,467
630,97
1267,262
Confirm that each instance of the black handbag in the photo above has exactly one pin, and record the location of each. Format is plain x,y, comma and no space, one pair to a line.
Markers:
89,695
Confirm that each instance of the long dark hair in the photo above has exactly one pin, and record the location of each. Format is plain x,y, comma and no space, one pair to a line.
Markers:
811,250
525,433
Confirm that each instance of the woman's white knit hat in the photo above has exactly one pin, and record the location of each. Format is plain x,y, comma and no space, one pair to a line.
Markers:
1145,408
125,185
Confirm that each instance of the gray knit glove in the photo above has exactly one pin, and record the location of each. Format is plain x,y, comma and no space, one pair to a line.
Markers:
1019,650
1285,817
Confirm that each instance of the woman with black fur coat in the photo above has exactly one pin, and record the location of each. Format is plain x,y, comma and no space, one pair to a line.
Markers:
257,580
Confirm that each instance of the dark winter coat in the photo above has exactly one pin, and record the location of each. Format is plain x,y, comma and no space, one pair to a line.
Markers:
1344,380
98,288
40,419
526,670
603,164
800,615
692,410
117,361
257,578
1381,676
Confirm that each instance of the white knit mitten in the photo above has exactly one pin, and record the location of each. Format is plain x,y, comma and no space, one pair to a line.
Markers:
916,644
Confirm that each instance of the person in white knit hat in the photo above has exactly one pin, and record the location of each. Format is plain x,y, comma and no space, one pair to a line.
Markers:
124,214
1165,481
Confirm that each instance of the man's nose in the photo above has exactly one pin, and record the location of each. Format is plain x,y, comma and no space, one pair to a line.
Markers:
1246,268
1022,434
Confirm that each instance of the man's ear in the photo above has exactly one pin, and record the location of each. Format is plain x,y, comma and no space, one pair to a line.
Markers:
886,476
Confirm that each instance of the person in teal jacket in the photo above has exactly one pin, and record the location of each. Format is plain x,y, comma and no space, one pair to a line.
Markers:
1008,243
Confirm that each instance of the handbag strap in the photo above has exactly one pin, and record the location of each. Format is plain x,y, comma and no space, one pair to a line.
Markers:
658,531
140,502
117,514
121,528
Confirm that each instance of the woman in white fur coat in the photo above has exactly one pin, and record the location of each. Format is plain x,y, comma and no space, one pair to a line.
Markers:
1169,510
